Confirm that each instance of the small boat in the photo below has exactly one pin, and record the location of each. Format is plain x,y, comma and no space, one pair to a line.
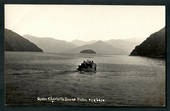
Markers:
87,66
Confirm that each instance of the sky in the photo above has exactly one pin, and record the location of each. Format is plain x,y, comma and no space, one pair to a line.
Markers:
85,22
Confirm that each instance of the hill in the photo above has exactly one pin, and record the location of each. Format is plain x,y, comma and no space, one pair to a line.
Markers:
99,47
153,46
78,42
123,44
15,42
50,44
81,43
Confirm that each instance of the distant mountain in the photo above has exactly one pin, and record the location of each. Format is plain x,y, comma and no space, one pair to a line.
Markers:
81,43
78,42
153,46
50,44
88,51
99,47
15,42
126,44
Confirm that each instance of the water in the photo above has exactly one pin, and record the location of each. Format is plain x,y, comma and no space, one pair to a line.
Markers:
120,80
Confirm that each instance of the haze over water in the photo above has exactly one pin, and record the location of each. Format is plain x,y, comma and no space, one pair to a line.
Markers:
120,80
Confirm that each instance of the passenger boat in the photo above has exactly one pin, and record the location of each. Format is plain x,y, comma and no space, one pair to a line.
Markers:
87,66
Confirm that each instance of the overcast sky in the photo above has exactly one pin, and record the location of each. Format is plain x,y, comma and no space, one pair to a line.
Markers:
85,22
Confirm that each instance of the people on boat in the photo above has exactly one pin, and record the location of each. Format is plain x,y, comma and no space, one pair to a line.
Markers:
87,66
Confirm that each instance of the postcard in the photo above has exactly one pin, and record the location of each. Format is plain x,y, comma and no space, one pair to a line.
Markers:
85,55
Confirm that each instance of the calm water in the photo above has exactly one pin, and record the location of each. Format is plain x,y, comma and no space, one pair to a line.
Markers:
120,80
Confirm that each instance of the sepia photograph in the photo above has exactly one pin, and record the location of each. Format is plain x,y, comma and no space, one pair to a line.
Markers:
85,55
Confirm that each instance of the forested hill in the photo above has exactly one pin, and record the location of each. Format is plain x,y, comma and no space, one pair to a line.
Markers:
15,42
153,46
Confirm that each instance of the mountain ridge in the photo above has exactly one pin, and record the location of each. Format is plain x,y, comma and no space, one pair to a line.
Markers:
99,47
50,44
63,46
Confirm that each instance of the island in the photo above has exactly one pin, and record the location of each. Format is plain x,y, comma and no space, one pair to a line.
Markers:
88,51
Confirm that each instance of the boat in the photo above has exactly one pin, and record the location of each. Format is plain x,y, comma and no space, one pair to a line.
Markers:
87,66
